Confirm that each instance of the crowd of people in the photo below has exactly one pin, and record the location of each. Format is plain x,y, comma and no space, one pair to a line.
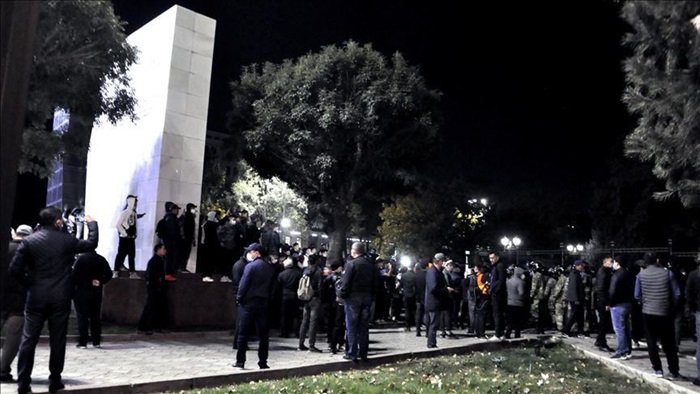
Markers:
303,293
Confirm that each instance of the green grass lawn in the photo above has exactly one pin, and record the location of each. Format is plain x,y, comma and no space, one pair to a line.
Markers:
561,370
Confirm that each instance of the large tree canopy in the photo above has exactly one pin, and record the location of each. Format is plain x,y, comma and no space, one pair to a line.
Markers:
80,64
343,127
663,76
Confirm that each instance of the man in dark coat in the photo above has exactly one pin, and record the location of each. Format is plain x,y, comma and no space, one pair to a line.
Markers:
575,297
172,238
91,272
154,315
13,294
289,282
420,296
188,240
602,286
408,284
358,286
436,298
253,299
498,292
44,262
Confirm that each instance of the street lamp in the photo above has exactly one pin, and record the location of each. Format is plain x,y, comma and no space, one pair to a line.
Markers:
578,248
512,244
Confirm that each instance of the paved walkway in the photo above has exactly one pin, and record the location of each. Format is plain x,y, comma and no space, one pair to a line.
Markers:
178,361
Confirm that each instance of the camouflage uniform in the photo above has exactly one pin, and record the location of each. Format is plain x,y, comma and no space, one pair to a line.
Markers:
558,298
534,291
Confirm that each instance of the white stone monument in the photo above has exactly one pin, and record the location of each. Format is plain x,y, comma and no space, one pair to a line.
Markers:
159,157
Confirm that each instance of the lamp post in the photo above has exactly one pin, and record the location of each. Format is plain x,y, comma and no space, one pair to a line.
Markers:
512,244
561,248
285,223
516,242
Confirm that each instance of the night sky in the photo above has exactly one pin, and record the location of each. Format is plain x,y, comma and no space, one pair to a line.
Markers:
531,90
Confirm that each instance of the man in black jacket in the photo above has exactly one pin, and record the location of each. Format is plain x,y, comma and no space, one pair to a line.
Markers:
91,272
575,297
620,300
154,315
408,284
602,286
499,297
14,294
312,308
288,280
188,240
171,238
358,286
44,262
253,299
436,298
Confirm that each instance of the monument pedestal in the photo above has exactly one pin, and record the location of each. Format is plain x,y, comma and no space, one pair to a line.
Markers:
192,304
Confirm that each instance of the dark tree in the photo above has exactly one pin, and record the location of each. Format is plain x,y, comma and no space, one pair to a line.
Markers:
663,77
343,127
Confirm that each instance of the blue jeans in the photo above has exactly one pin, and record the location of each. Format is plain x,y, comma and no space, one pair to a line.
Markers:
357,323
620,320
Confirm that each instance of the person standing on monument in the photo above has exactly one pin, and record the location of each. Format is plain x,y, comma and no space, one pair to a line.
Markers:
211,261
126,226
44,262
172,238
187,224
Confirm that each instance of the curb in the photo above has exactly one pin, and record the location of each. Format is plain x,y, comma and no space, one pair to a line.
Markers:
664,385
282,373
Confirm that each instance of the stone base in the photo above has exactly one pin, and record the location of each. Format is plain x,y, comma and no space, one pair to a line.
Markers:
191,302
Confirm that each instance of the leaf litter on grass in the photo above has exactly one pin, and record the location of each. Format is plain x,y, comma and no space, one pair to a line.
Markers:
562,370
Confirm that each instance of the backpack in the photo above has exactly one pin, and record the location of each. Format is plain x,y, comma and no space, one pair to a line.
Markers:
305,292
160,228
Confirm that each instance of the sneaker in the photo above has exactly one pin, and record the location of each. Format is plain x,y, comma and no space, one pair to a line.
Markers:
263,366
626,356
225,279
302,347
657,374
314,349
115,274
675,376
98,346
134,275
616,356
79,346
346,357
238,365
495,338
432,346
207,279
170,278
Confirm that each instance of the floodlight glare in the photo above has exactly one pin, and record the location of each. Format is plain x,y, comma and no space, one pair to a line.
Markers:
517,241
570,247
405,261
285,222
505,241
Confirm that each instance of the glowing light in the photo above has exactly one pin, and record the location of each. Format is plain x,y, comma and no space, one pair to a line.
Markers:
484,202
285,222
405,261
517,241
505,241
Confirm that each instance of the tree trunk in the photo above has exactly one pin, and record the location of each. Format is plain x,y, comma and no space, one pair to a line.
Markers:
338,236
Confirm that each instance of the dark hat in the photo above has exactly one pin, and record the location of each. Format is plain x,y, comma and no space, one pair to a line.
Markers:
578,262
335,265
131,196
174,206
254,246
190,206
